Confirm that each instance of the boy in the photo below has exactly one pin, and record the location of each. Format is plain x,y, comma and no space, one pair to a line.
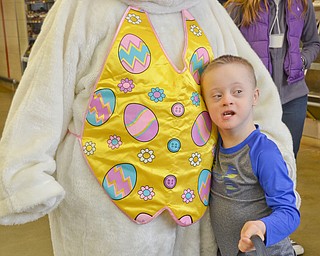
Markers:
251,192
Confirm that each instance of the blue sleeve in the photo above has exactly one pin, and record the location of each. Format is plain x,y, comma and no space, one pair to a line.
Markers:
272,173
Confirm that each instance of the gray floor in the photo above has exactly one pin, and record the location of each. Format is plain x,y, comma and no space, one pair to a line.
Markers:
33,239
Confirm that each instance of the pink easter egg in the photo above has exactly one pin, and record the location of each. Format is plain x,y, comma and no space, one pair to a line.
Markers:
143,218
204,182
120,180
199,60
201,129
134,54
101,107
185,220
140,122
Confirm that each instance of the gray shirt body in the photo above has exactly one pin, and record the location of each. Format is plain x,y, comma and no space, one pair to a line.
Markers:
237,197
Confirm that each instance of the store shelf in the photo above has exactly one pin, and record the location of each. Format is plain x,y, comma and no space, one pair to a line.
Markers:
36,2
36,11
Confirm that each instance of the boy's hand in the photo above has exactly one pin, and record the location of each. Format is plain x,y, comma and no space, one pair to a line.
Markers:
249,229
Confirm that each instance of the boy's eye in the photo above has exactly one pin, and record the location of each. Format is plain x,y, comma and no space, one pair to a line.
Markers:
217,96
238,91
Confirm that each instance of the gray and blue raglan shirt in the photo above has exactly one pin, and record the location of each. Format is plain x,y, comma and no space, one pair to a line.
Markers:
250,182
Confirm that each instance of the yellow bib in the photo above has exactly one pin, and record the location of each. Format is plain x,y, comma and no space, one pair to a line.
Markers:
147,136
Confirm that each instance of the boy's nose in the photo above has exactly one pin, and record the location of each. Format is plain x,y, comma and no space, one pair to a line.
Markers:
227,100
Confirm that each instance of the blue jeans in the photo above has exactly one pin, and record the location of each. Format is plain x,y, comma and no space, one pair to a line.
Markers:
294,114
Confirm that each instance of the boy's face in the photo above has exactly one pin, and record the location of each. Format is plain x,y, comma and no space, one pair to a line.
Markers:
230,95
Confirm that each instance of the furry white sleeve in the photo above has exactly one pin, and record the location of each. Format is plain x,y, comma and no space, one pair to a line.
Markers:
33,130
63,65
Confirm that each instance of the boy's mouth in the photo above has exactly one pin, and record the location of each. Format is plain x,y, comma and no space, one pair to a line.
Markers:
228,113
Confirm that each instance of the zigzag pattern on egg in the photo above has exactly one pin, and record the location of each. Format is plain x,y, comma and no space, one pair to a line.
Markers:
198,61
119,181
134,54
101,107
204,186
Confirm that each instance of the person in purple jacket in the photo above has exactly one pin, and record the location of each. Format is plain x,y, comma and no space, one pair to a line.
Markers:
251,191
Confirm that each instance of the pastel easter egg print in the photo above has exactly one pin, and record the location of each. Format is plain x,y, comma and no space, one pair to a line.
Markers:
197,63
101,107
186,220
134,54
120,180
140,122
143,218
204,182
201,129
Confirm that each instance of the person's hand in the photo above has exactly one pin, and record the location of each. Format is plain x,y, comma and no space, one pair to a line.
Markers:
249,229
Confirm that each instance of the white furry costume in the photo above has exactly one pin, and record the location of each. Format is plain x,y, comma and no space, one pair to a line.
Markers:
42,169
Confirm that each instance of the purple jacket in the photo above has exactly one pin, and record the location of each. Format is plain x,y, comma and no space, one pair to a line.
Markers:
257,34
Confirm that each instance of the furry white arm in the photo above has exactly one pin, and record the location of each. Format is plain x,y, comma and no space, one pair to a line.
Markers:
37,122
51,98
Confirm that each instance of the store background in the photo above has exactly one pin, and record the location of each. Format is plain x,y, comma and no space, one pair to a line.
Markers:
13,38
33,239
